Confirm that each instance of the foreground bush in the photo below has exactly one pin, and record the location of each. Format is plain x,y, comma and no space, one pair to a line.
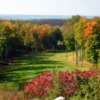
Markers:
88,85
39,86
68,84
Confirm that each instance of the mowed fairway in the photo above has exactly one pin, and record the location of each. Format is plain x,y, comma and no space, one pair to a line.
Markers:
27,67
30,66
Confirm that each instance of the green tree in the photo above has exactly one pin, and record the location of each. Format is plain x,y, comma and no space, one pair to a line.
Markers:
79,36
69,35
6,34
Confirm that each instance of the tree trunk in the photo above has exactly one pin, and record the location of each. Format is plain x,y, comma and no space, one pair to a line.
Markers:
82,53
67,55
6,53
76,50
73,56
32,49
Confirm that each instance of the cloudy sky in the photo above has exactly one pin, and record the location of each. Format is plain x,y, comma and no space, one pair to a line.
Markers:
50,7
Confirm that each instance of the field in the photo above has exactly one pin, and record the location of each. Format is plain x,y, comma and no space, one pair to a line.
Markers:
25,68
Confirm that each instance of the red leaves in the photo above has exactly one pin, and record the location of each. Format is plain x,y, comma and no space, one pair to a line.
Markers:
86,74
68,83
41,85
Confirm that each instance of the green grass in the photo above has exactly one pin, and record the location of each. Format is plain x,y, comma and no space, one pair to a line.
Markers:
30,66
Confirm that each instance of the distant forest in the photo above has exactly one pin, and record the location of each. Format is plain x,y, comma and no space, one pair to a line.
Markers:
52,22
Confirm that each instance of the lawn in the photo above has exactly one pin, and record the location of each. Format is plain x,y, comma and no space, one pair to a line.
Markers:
29,66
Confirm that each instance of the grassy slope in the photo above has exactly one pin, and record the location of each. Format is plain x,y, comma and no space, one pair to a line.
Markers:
31,66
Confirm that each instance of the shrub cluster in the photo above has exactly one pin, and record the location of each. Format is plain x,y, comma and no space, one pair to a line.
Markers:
39,86
70,83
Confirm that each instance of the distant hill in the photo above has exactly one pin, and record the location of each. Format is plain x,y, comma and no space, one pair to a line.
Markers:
40,19
53,22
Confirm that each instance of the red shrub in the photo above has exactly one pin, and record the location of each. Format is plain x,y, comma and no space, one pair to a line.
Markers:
40,86
86,74
68,83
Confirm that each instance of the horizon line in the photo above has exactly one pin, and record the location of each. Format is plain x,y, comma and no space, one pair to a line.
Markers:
48,15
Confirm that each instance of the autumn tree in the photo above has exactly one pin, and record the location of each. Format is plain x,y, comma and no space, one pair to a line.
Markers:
6,35
92,34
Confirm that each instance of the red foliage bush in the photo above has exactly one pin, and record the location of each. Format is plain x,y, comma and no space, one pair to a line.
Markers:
86,74
67,83
40,86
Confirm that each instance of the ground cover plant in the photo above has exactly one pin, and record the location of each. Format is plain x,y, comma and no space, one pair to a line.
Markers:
75,83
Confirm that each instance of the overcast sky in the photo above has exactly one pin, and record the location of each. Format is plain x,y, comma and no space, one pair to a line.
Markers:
50,7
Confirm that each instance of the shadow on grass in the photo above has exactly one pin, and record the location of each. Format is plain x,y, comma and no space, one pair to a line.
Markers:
28,67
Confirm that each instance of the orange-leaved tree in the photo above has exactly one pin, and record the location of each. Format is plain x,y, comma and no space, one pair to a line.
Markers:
92,34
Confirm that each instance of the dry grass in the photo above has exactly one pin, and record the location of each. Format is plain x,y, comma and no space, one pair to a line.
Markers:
11,95
71,61
16,95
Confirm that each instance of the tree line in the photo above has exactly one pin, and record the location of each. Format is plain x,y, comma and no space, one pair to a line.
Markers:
21,37
78,33
83,34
